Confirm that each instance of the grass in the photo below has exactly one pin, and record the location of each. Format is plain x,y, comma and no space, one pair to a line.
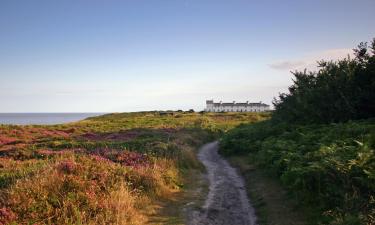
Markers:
269,198
124,168
193,194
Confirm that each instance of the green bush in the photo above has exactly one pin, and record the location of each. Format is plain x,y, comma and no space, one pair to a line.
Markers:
339,91
330,167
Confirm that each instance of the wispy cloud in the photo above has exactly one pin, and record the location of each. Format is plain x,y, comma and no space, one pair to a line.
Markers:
286,65
309,61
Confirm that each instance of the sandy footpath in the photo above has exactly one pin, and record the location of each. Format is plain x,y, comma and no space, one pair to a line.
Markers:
227,202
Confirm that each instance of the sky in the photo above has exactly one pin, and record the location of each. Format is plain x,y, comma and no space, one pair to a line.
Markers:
135,55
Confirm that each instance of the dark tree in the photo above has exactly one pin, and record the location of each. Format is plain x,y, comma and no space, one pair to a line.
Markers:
338,91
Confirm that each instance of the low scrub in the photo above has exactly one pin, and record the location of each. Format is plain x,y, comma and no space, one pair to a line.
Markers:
330,168
110,169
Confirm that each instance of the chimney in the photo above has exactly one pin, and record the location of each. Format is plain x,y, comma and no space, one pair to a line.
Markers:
247,102
234,102
220,102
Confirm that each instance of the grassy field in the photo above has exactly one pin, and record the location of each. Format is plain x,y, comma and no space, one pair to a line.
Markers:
113,169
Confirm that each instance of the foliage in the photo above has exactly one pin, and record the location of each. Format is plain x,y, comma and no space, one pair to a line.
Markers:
337,92
331,167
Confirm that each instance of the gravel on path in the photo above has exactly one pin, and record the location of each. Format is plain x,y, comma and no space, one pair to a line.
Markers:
227,202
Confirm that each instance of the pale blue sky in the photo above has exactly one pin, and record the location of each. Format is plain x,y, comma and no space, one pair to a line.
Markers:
104,56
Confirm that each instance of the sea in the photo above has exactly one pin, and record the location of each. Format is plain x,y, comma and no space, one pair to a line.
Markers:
43,118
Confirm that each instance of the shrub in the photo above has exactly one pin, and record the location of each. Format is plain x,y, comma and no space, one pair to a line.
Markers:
339,91
330,167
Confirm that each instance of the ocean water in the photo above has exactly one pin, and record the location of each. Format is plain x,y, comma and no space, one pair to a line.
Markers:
43,118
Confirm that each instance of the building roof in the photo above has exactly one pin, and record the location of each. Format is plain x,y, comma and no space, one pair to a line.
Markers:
217,104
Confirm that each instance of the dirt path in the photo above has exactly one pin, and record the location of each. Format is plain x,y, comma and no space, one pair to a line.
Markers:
227,201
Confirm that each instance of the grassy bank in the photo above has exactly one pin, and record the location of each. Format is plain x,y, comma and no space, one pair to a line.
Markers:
327,168
267,195
111,169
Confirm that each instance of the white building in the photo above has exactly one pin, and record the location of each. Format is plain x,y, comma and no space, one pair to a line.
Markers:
211,106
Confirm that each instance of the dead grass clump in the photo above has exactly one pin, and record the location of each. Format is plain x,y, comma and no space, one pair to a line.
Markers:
123,207
80,189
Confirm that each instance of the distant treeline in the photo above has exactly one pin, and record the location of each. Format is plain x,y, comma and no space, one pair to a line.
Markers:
339,91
